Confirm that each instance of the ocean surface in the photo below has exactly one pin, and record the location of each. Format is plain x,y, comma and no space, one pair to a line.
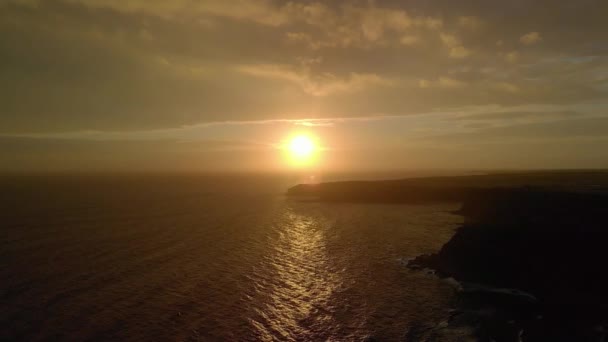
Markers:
213,258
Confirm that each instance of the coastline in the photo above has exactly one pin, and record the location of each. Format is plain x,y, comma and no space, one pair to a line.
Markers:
534,256
527,260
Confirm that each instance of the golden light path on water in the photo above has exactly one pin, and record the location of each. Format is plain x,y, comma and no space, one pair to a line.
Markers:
332,273
303,282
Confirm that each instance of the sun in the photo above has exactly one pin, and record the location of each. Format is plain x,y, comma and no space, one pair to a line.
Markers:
301,149
301,146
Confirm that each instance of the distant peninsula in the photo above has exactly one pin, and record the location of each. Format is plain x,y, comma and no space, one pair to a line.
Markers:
455,188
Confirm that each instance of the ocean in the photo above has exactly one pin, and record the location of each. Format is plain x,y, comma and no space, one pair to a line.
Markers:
187,257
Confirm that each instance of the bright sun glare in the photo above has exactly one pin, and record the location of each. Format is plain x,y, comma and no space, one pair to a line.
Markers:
302,149
301,146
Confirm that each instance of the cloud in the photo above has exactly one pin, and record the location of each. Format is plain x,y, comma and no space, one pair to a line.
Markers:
508,87
459,52
409,40
73,65
554,129
449,40
510,116
365,26
319,123
450,83
470,22
322,85
344,25
258,11
512,57
424,84
442,82
530,38
456,50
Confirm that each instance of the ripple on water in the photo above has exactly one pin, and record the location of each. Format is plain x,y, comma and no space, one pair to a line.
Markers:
166,266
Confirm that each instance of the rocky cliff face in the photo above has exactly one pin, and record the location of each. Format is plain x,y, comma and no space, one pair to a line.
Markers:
549,244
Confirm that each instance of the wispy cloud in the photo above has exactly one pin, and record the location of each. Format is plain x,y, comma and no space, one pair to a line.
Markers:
530,38
316,85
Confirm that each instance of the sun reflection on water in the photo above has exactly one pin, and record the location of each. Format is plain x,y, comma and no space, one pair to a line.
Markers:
299,295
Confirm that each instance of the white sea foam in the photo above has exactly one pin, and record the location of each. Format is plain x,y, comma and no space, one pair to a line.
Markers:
474,287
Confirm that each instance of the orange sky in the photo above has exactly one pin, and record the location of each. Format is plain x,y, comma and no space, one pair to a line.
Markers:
220,84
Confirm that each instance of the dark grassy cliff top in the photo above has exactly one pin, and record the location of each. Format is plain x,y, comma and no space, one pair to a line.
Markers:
547,243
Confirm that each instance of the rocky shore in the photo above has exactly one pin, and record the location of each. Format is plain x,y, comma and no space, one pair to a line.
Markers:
538,262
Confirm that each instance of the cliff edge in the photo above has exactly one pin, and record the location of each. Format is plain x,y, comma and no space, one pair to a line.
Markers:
549,245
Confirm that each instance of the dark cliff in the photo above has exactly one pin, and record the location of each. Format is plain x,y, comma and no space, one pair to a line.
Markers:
547,243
